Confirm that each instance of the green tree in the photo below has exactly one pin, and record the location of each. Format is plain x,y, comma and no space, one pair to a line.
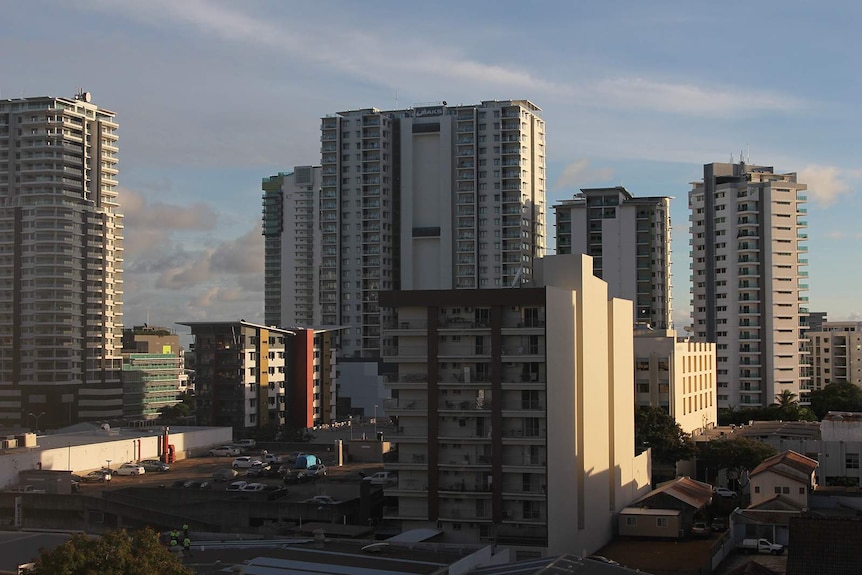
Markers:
174,413
735,454
837,396
115,553
656,429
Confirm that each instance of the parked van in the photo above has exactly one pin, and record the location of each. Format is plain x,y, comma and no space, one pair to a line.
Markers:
305,461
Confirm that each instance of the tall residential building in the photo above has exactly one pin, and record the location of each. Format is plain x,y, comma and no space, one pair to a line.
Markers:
514,410
431,197
836,354
291,229
749,255
60,262
678,375
629,241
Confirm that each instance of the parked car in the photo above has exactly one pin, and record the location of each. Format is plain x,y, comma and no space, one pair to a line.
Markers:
247,443
224,451
262,470
100,476
193,484
724,492
130,469
322,500
154,465
700,529
253,487
224,474
761,546
271,458
382,478
243,462
236,486
315,471
719,524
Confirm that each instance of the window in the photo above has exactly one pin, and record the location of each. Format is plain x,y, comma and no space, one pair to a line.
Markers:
661,522
757,489
851,461
631,521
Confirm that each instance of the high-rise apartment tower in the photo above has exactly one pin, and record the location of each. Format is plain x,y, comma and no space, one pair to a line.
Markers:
749,282
629,241
60,262
291,229
431,197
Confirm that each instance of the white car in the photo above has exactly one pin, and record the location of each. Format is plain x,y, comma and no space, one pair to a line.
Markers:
247,443
224,451
382,478
130,469
236,486
244,462
724,492
253,487
271,458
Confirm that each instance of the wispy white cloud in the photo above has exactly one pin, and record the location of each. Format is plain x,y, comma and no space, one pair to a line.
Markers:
828,183
394,60
580,173
640,93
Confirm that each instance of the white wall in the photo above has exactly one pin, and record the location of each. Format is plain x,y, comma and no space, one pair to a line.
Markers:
74,452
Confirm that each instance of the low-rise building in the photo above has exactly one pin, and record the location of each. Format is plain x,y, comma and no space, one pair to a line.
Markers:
667,511
788,474
676,374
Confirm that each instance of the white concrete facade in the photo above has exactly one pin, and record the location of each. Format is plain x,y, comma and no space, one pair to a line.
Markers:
292,247
677,374
61,254
836,353
629,240
515,410
749,282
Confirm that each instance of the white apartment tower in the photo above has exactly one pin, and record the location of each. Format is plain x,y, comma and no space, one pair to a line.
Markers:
836,354
291,229
748,264
431,197
60,262
629,241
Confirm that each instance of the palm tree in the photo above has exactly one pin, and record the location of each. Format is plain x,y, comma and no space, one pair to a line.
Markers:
786,400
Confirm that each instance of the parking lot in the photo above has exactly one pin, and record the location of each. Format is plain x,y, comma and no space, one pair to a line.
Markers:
339,481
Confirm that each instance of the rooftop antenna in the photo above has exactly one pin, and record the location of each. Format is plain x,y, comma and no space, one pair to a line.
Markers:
747,153
396,98
731,157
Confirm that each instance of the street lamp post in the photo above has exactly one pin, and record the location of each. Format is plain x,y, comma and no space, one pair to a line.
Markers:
375,422
350,425
108,461
37,418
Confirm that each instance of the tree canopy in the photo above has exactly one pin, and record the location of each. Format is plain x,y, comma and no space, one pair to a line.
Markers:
655,428
836,396
735,454
114,553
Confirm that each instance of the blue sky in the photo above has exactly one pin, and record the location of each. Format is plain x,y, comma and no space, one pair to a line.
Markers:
212,96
